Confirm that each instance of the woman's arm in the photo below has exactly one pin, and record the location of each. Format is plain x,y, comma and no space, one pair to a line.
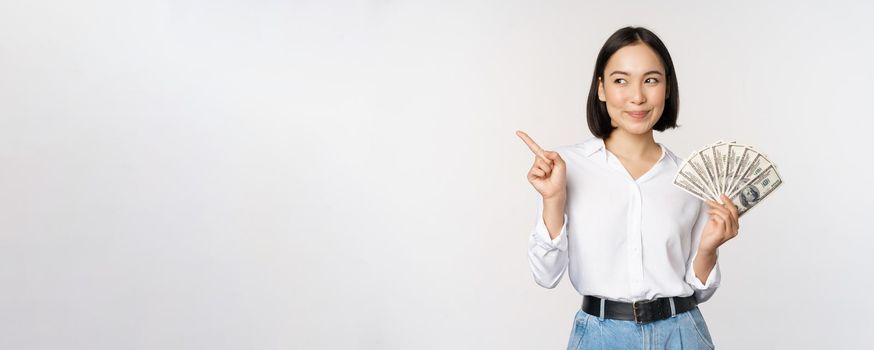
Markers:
547,245
721,227
702,265
553,214
704,262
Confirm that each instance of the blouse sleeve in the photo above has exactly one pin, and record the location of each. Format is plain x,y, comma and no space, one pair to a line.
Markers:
548,257
705,290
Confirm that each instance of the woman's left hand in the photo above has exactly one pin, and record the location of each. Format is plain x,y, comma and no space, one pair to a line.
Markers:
721,227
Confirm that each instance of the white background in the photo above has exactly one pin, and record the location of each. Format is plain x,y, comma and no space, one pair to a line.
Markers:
326,175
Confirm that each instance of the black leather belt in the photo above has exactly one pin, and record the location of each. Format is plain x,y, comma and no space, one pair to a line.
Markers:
641,312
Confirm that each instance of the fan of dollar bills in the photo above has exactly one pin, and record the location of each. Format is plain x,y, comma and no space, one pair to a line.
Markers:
745,175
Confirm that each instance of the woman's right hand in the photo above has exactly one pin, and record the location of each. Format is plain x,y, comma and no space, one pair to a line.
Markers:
548,174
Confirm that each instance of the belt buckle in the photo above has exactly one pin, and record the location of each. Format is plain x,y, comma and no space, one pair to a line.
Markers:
634,309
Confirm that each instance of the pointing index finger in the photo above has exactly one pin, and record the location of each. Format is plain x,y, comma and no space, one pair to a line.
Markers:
531,144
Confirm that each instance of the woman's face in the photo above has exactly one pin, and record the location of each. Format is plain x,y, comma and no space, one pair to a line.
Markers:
634,88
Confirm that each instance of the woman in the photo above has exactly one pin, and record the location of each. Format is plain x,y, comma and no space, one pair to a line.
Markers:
642,252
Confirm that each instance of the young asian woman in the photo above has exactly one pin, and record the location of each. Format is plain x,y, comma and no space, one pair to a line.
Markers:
641,252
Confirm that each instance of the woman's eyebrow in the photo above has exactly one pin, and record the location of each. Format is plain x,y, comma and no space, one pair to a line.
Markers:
647,73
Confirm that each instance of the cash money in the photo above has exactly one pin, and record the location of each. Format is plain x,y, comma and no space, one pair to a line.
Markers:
742,173
753,192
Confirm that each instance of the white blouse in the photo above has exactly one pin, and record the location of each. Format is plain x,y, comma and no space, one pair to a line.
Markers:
623,239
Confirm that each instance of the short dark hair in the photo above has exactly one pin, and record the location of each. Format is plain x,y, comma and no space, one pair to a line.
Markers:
596,110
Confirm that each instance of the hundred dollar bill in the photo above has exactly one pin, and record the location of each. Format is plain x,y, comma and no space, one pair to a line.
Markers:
729,153
688,180
697,165
720,154
758,164
710,168
753,192
747,156
735,152
687,185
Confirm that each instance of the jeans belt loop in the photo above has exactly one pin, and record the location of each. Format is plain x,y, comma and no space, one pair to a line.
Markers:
603,301
634,311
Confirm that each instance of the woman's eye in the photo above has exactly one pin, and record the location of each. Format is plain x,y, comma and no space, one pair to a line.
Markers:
648,81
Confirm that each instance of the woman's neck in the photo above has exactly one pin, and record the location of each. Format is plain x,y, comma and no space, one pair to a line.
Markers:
632,146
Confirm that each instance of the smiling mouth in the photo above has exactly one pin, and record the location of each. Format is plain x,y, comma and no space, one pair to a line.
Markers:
638,115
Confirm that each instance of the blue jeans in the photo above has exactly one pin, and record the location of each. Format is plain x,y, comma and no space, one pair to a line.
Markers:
685,330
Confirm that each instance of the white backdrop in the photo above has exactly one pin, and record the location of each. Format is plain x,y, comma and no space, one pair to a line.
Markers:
324,175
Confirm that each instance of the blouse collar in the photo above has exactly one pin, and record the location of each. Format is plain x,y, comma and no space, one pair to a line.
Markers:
595,147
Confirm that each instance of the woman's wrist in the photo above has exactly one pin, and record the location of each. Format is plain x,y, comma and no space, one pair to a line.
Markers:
558,198
707,252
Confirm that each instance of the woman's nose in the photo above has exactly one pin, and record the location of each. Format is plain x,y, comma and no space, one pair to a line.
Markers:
637,96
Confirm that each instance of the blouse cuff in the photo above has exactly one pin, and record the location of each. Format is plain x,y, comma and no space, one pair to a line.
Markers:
712,279
541,235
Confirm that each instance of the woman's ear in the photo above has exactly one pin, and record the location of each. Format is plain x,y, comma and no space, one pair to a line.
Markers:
601,90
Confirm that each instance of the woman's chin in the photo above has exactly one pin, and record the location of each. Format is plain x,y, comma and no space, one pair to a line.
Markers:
637,129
